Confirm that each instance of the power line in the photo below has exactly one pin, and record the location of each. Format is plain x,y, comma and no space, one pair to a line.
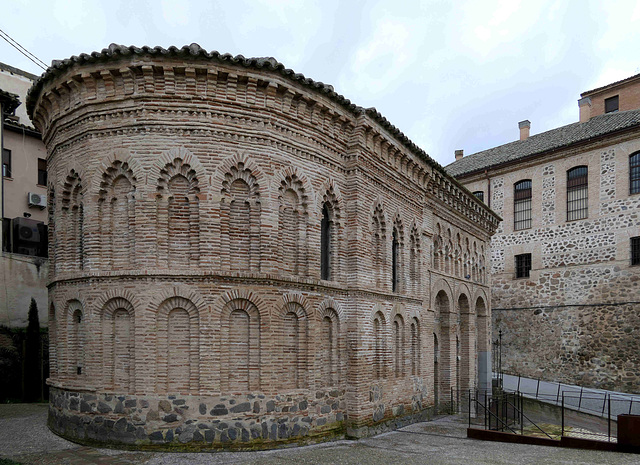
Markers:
23,50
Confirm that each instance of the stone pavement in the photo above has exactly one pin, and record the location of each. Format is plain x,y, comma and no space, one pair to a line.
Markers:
25,438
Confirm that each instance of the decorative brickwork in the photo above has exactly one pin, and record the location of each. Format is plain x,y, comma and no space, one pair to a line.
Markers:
247,259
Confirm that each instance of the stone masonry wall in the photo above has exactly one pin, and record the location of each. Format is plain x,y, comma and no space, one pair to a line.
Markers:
573,318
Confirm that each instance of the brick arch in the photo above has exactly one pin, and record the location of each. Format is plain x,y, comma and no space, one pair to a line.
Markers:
398,342
483,325
415,257
183,291
243,294
292,325
257,181
242,187
240,345
415,344
443,285
116,192
295,298
331,303
71,234
294,199
331,250
187,159
73,338
379,233
177,345
466,349
113,295
379,337
118,157
331,343
178,176
118,344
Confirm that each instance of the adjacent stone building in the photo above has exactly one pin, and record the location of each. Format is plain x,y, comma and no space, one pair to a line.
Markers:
241,257
564,262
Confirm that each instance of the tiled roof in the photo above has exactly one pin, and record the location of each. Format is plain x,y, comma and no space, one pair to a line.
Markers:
547,141
584,94
194,52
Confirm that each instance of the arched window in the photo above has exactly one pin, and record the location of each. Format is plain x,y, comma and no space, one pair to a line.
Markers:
634,173
395,248
479,195
325,244
414,260
77,342
577,193
522,204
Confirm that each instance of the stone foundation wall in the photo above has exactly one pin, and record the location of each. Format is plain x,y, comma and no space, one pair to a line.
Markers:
203,422
591,346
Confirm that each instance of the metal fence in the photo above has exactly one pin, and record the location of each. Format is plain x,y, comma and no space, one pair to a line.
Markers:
592,401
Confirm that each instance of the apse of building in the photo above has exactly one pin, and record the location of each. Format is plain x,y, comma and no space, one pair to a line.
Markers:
241,257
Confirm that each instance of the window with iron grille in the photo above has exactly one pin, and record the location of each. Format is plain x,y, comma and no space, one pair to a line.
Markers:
634,173
42,171
577,193
522,204
479,195
523,265
635,250
611,104
6,163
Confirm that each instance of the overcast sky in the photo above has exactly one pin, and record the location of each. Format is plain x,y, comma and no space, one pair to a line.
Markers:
449,74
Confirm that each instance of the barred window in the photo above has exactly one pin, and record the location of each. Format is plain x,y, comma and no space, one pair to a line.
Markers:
635,250
479,195
523,265
577,193
522,204
634,173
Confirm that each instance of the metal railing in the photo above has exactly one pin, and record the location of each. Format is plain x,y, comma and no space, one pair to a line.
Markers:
512,412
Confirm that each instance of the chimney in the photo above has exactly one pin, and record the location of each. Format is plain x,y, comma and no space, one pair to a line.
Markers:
585,109
524,129
459,154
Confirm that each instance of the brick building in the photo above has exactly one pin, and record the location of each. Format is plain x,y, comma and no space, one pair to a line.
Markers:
565,280
242,257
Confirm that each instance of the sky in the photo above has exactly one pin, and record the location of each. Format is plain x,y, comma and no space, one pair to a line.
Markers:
449,74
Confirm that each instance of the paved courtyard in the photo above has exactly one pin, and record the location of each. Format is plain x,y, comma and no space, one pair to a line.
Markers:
25,438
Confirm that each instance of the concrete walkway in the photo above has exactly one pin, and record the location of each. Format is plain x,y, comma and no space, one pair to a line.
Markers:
25,438
592,401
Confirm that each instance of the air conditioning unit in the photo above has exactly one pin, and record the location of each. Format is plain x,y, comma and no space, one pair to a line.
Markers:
25,232
37,200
